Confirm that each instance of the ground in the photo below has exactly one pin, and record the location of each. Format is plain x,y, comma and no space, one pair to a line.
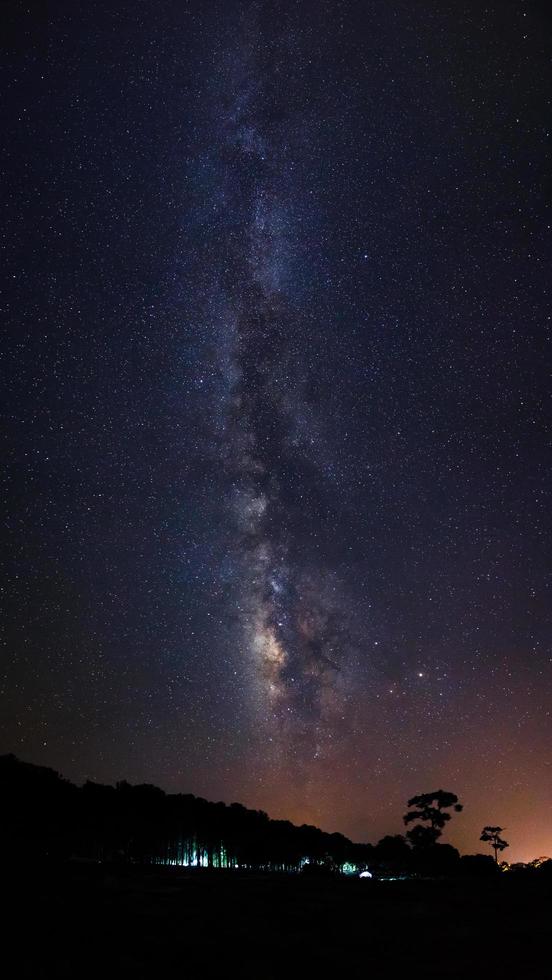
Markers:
92,921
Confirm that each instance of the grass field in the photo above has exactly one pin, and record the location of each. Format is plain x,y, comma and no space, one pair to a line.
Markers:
89,921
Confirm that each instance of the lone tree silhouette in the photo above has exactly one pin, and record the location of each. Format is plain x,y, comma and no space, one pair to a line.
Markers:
492,836
430,810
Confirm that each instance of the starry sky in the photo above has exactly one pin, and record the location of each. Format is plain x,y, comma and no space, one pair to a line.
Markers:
277,401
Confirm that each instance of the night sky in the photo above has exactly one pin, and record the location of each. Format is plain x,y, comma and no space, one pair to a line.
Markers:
277,390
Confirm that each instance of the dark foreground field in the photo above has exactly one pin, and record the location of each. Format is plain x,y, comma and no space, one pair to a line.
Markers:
90,921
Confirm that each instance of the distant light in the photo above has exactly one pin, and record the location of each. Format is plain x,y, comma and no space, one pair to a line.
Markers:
348,868
366,874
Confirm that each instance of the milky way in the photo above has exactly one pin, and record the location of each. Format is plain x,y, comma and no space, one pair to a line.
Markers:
293,633
277,401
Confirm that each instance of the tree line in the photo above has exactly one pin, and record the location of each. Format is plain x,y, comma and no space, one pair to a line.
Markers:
52,818
46,817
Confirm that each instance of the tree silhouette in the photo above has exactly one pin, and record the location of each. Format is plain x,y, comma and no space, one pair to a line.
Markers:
491,835
143,825
392,853
430,809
